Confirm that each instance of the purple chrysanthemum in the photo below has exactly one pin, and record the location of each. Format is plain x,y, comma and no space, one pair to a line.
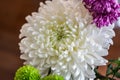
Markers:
104,12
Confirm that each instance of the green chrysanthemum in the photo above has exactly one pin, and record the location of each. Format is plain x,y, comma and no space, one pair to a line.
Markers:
27,73
53,77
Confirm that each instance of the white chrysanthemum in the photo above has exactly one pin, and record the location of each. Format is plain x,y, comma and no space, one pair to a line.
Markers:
60,39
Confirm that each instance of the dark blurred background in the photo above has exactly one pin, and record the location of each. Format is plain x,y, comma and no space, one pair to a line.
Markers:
12,17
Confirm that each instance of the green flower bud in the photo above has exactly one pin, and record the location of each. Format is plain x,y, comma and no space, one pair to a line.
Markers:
53,77
27,73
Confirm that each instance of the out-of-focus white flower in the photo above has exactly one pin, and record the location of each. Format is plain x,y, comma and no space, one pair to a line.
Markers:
60,38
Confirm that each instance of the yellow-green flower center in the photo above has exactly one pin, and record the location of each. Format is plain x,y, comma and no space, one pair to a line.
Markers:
59,35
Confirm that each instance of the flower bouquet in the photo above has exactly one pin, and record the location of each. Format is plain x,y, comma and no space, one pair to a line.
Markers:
67,39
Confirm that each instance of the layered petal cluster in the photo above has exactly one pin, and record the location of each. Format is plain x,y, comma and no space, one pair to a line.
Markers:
104,12
60,39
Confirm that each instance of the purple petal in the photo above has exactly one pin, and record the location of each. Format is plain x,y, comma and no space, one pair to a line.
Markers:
104,12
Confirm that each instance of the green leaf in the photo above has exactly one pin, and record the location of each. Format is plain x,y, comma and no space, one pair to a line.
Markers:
115,70
117,74
109,70
115,61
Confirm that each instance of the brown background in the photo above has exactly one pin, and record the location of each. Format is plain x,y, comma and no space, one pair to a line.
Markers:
12,17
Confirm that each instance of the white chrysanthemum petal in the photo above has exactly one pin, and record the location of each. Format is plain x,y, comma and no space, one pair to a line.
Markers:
60,38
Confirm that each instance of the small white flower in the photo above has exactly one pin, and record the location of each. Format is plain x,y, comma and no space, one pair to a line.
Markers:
60,38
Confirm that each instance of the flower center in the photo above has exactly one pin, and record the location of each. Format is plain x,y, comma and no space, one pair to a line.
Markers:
60,37
60,33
